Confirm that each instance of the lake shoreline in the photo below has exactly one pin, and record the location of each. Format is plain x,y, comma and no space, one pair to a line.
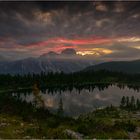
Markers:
73,85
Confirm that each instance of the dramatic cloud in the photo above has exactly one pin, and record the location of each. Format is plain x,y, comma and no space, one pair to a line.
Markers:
91,28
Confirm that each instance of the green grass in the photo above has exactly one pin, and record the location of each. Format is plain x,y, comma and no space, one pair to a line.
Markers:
22,120
91,126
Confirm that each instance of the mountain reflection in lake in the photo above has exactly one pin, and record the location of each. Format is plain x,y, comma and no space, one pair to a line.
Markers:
76,103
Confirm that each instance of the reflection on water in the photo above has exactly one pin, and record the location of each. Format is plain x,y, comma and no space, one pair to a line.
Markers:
76,102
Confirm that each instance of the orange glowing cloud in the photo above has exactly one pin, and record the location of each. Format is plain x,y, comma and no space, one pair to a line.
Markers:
72,42
81,41
59,44
84,46
95,51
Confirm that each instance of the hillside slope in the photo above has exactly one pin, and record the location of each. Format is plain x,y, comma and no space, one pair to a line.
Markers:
120,66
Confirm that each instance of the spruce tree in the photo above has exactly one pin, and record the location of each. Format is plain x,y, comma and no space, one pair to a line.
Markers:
138,104
123,102
60,110
132,103
127,102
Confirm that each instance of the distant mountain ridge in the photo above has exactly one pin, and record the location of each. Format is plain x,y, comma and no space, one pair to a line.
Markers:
38,65
119,66
49,54
44,64
67,61
69,52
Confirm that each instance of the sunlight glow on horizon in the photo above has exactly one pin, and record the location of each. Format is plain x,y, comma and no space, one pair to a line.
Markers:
95,52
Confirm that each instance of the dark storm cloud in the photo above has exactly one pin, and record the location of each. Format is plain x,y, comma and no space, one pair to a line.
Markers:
27,19
19,18
24,24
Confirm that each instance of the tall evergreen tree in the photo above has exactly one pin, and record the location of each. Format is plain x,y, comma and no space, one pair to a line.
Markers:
127,102
123,102
60,110
138,104
132,103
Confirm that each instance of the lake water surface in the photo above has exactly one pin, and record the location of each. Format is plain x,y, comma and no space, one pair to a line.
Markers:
76,103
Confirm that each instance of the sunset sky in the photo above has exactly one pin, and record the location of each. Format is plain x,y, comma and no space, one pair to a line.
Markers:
99,29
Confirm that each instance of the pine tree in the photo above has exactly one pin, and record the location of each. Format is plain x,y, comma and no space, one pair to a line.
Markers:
138,104
123,102
60,108
127,102
132,103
